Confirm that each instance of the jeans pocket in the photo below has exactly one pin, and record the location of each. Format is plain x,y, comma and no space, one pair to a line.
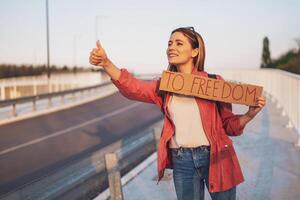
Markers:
206,150
176,153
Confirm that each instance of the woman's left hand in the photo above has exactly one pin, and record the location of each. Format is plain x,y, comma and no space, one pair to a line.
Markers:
259,104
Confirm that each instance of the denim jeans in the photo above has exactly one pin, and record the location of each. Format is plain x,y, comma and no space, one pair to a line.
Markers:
190,173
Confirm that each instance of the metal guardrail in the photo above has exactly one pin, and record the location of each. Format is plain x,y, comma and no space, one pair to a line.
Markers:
13,102
77,180
34,98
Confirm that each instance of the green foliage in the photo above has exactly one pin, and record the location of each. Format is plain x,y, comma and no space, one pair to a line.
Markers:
289,61
293,65
284,59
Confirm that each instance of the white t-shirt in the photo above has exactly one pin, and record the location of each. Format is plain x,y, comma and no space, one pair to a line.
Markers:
185,114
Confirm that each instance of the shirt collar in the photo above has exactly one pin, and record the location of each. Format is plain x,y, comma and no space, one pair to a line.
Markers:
200,73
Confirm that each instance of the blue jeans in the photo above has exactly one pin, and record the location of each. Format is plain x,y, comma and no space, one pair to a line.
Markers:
190,172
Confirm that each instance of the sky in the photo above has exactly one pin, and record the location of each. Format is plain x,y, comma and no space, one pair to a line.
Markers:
135,33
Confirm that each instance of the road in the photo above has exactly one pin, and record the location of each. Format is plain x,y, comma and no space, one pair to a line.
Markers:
33,148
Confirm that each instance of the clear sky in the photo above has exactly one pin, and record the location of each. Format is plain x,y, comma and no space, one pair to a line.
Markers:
135,32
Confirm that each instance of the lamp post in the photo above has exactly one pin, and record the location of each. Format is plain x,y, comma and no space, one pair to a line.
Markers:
96,24
47,31
75,38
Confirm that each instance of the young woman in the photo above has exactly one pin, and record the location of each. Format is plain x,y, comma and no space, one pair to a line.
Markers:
194,140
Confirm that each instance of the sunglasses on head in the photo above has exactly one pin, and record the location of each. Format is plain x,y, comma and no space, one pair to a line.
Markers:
191,28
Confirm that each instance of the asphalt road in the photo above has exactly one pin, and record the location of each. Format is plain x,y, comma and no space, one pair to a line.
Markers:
32,148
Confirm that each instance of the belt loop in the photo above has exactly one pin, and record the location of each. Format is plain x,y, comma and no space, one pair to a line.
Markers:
181,149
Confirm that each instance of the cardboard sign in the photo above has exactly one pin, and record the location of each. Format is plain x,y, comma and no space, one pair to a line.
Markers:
208,88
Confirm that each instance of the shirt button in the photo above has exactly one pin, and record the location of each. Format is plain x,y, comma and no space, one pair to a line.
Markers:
226,145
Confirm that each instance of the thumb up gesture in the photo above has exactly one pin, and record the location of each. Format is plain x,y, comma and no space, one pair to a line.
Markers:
98,56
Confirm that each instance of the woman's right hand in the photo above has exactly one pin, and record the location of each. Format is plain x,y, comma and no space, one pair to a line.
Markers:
98,56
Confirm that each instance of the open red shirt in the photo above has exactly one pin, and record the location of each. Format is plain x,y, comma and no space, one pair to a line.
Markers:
224,168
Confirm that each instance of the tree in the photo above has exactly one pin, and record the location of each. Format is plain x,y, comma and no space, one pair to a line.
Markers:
266,55
284,59
75,70
65,68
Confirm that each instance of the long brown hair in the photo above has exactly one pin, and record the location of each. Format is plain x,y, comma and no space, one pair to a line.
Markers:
196,41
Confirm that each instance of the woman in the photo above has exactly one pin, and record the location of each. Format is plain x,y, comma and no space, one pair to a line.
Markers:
194,140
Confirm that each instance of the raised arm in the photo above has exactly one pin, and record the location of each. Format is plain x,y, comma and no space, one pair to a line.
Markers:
98,57
127,84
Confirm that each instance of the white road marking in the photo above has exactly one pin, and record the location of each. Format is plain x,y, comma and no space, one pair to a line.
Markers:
68,129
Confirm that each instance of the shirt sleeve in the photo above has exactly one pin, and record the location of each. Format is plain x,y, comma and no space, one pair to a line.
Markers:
231,122
136,89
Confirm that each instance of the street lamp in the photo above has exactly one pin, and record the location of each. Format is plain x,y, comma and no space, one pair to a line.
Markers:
47,31
75,38
96,24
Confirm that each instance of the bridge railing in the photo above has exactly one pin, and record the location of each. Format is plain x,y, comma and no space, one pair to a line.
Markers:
33,99
16,87
279,86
